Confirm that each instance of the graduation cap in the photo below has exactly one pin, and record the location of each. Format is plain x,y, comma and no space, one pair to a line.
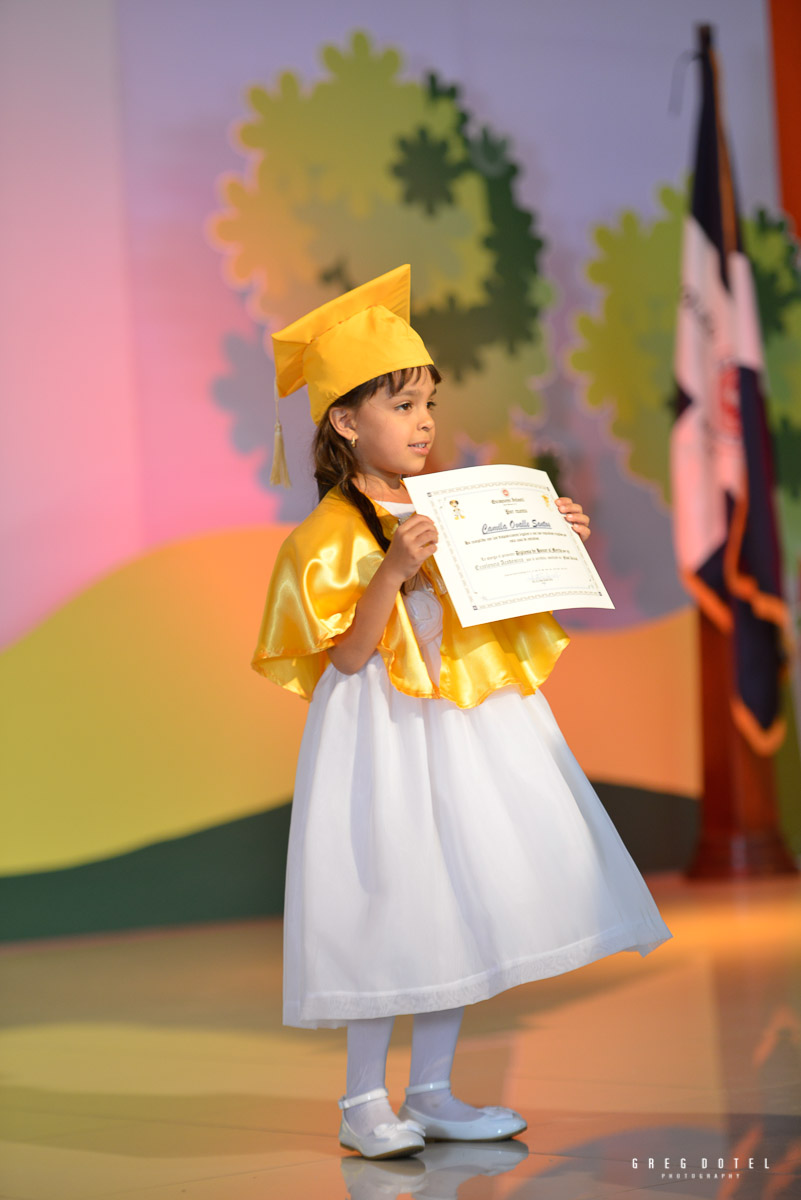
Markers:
341,344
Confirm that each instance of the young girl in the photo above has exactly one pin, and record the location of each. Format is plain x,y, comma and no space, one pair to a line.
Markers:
444,844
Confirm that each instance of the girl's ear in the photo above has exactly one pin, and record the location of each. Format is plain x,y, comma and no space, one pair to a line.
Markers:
342,421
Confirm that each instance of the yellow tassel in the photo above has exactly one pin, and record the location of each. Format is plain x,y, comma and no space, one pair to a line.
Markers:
279,472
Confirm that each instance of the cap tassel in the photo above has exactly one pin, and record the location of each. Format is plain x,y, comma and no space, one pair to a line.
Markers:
279,472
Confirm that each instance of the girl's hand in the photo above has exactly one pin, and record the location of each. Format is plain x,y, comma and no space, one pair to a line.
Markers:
575,515
413,541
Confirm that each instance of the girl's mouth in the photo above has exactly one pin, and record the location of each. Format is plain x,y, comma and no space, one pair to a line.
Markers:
420,447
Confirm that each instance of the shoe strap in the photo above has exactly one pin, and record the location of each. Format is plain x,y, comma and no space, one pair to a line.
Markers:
428,1087
375,1094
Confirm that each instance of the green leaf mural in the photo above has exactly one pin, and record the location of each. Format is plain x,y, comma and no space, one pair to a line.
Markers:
626,349
366,170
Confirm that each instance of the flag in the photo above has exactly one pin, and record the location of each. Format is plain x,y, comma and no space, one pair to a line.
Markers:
721,460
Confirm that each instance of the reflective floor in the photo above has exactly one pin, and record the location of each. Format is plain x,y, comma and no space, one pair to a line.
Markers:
155,1065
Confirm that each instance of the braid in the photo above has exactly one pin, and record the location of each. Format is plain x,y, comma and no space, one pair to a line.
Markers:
335,461
365,507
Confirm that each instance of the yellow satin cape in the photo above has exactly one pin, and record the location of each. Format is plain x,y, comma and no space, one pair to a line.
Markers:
320,572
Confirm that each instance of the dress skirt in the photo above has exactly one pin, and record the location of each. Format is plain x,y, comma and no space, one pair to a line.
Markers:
439,855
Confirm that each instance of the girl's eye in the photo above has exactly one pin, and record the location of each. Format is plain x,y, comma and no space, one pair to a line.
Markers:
405,404
432,404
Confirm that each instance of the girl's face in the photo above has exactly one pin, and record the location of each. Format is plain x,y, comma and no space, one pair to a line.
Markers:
394,434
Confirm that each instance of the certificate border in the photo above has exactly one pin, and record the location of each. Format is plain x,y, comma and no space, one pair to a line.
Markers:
594,587
594,594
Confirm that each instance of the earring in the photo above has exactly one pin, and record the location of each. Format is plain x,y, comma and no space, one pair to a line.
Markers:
353,443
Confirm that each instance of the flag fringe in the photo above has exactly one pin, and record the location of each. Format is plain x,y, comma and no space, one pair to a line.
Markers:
762,741
708,601
767,606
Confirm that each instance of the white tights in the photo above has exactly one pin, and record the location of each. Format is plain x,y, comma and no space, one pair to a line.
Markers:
434,1037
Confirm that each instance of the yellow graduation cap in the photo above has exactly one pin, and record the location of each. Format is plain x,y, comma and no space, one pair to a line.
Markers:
343,343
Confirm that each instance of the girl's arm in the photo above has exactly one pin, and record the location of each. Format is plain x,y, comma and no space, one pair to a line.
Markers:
413,542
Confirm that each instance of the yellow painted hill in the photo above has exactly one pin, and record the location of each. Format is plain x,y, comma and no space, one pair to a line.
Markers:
132,714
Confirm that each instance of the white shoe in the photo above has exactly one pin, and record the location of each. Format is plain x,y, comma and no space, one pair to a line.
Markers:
389,1139
494,1124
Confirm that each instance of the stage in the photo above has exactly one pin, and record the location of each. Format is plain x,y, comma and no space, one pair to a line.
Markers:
154,1065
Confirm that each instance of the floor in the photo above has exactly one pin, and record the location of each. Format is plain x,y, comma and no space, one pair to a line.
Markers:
154,1065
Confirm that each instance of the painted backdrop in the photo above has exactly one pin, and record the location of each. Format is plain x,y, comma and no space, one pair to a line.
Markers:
187,177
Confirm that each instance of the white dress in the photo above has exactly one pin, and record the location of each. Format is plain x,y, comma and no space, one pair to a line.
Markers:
439,855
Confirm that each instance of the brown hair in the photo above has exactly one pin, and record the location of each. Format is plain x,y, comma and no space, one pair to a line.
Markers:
334,457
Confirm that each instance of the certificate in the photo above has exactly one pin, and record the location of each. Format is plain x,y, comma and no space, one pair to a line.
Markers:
504,549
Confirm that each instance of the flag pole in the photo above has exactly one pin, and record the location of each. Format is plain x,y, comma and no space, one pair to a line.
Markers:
739,831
